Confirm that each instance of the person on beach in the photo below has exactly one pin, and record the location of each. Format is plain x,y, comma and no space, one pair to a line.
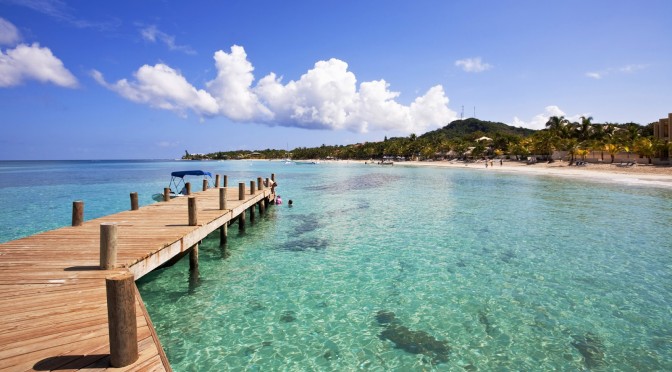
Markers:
501,162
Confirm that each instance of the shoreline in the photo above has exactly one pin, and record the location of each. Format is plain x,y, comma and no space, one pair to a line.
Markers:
638,175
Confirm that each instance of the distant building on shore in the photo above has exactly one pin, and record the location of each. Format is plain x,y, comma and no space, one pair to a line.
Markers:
662,128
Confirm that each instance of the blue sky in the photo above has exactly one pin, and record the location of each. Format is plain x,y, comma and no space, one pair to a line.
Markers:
150,79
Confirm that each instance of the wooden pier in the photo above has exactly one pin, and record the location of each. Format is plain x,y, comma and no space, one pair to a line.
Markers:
53,304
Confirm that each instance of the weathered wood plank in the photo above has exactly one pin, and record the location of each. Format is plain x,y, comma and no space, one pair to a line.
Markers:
53,312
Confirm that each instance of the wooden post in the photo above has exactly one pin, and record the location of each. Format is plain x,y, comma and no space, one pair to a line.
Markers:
205,184
108,245
260,184
253,187
193,214
166,194
134,201
241,221
226,181
193,257
122,325
262,207
251,214
77,212
223,234
187,187
268,182
241,191
216,180
222,198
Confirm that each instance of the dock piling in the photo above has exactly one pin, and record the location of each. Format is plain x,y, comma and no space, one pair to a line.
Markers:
241,221
108,245
205,185
134,201
253,187
166,194
193,214
241,191
216,180
187,188
77,212
222,198
121,319
193,257
260,183
226,181
223,234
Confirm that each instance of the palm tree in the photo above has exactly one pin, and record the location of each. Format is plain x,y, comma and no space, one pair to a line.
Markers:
645,147
612,148
556,124
585,128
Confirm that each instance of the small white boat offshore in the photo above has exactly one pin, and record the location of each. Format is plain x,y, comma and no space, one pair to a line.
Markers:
179,179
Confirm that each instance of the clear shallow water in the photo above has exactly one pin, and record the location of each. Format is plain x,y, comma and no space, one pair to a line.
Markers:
392,268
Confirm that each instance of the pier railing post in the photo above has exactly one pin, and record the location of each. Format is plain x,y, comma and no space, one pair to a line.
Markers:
122,325
226,181
205,184
193,214
241,221
166,194
260,183
134,201
77,212
241,191
222,198
253,187
193,257
216,180
108,245
187,188
223,234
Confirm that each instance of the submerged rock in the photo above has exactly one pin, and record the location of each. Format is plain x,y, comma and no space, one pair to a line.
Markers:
309,222
416,342
303,245
483,319
591,348
384,317
287,317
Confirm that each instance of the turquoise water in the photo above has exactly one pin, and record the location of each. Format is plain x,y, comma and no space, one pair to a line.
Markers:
395,268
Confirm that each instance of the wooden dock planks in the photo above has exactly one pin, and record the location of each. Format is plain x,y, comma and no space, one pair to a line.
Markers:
53,311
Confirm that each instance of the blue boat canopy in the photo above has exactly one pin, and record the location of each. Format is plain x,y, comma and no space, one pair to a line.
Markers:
181,174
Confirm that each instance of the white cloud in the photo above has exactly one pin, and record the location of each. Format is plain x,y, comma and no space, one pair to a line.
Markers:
472,65
153,34
9,35
627,69
32,62
162,87
232,86
325,97
539,121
